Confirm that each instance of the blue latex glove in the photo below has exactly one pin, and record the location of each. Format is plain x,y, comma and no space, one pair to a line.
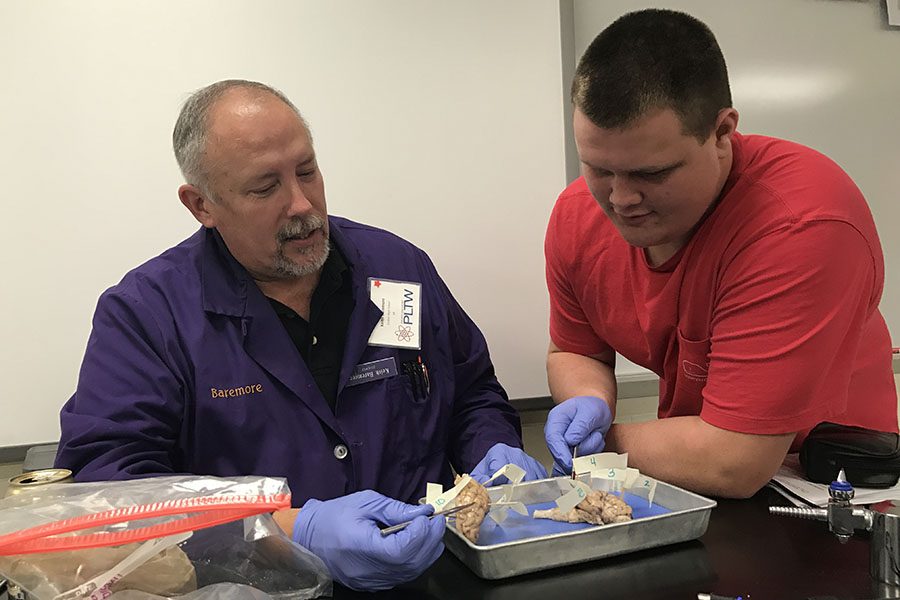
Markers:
344,533
501,454
580,421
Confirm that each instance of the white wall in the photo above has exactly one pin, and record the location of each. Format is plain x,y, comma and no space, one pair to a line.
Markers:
441,121
825,73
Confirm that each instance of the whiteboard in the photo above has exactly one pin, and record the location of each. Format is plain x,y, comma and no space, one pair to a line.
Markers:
441,121
825,73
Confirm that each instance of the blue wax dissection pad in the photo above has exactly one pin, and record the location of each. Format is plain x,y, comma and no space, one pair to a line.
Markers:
520,527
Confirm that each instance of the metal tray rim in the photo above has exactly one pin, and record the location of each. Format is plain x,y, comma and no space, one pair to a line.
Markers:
708,505
482,548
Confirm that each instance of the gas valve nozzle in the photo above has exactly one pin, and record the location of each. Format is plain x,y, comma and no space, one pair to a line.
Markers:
843,518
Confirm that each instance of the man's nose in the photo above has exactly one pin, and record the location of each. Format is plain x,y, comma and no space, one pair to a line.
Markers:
622,193
299,199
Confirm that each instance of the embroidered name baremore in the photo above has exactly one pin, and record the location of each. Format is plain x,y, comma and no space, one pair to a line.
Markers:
236,391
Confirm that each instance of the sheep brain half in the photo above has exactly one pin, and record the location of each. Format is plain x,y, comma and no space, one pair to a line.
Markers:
598,508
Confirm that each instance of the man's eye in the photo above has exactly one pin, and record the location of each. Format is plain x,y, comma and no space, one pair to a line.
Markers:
306,174
264,191
655,175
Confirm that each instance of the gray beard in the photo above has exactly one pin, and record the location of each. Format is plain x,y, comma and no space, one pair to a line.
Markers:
285,267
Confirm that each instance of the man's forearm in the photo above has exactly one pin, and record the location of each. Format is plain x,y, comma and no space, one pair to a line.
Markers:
285,519
690,453
570,374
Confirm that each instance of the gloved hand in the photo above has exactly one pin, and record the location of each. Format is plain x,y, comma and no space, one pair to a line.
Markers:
344,533
580,421
501,454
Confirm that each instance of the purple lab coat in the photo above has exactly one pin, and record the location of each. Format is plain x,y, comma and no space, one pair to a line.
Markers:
191,323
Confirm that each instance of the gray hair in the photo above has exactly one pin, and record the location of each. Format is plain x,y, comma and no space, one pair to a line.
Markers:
191,128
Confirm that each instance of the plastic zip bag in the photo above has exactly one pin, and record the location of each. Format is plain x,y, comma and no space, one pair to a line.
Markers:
168,537
218,591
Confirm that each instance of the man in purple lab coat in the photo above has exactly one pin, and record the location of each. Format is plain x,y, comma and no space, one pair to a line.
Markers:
280,341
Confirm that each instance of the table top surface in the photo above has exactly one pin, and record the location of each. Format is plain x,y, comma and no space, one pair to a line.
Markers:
745,551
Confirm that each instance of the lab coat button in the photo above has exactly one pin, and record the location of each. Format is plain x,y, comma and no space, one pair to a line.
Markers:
315,340
340,452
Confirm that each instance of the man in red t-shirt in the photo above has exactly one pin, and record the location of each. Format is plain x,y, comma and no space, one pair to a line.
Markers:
745,271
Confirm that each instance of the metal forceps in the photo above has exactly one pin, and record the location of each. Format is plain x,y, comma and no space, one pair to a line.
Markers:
403,525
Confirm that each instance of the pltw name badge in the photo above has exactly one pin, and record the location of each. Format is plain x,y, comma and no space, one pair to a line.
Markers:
400,324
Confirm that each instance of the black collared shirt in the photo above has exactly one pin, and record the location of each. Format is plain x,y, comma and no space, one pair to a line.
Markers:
321,340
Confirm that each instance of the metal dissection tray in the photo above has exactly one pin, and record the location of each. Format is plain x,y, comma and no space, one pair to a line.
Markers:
523,544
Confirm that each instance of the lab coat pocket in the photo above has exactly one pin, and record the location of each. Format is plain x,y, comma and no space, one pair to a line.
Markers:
418,417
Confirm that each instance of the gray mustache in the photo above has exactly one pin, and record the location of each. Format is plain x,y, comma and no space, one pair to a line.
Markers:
300,228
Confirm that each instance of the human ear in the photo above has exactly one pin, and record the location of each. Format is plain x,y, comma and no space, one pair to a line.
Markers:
197,201
726,126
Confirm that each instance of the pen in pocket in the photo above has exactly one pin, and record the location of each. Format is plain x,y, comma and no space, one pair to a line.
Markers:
426,381
410,368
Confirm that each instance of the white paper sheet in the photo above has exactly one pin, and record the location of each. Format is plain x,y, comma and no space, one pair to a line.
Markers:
790,475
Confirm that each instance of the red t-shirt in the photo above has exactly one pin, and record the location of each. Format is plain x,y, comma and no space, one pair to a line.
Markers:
766,321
